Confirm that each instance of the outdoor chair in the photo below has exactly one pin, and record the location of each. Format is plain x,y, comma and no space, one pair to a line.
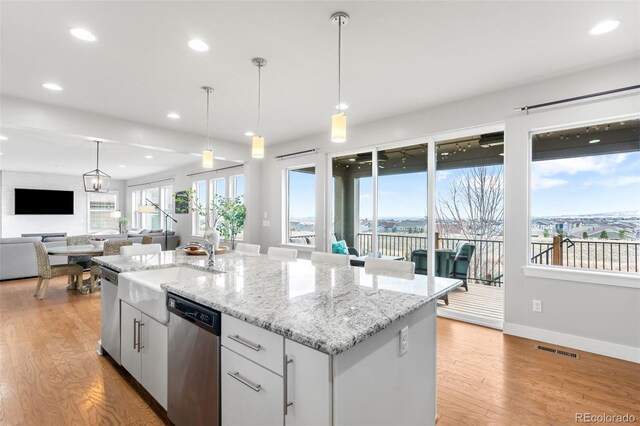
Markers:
46,271
461,262
111,248
419,257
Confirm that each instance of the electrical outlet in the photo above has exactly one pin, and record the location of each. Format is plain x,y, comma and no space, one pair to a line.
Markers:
404,340
537,305
266,223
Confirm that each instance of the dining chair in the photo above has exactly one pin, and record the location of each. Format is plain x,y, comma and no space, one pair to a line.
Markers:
245,248
140,249
111,248
283,253
330,258
46,271
374,265
78,240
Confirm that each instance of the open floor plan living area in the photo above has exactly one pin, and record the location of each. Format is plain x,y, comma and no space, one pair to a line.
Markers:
301,213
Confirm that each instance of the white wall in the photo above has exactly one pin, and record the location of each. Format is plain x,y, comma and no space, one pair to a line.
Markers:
608,316
15,225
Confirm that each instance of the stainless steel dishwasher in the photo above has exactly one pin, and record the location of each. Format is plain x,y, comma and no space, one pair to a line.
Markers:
109,314
194,363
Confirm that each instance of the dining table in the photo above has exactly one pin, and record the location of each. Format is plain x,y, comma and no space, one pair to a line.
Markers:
79,250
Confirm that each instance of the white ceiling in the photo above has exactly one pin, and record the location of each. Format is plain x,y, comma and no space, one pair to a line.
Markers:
38,152
398,56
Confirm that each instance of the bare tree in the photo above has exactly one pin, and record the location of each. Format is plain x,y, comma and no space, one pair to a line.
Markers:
474,209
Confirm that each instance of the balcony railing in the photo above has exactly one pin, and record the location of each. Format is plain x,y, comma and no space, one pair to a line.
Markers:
487,263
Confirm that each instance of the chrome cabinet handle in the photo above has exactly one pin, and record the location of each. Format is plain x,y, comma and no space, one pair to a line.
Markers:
140,324
285,378
244,381
135,327
237,338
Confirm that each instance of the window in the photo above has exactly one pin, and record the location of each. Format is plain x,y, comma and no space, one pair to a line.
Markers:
237,186
218,188
199,221
585,197
162,196
301,206
100,209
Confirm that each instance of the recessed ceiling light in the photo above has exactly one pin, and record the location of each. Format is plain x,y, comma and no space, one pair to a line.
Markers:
605,27
594,141
249,133
82,34
122,166
501,154
342,107
198,45
444,154
173,115
148,157
3,138
51,86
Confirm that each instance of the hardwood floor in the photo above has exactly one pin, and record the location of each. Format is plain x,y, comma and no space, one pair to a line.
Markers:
50,372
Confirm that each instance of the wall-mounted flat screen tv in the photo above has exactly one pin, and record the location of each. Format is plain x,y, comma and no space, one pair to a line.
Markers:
43,201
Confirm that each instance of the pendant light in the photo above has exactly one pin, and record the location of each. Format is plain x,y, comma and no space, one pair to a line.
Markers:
207,154
257,142
339,120
96,180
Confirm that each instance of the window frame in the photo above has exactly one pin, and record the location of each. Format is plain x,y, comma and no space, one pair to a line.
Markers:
285,205
525,126
114,194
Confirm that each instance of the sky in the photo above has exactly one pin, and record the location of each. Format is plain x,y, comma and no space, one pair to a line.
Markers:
573,186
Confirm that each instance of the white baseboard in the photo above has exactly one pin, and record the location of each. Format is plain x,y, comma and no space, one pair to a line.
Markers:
600,347
470,318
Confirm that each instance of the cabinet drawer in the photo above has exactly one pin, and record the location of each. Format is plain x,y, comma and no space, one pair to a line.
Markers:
251,394
257,344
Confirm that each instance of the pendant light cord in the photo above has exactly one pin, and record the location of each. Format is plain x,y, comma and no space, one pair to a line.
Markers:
259,96
339,61
98,155
208,143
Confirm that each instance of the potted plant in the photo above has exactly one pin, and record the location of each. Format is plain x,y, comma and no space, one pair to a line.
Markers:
233,213
122,222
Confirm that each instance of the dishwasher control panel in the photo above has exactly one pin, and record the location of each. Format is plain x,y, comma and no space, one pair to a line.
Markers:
201,315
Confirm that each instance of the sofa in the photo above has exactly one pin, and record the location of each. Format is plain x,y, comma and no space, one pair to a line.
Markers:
18,256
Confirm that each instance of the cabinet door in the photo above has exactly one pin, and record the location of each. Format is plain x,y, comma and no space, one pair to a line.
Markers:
308,386
251,394
129,355
153,341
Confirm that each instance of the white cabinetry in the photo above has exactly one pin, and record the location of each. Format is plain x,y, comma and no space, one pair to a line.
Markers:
309,387
262,370
144,351
251,394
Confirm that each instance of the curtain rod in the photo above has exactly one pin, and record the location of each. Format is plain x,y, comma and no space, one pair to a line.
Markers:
308,151
578,98
149,183
216,170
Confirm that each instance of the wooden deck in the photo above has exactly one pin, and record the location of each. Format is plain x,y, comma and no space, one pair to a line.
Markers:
481,300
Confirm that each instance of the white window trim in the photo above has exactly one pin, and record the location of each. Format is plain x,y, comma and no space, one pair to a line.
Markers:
587,276
612,278
115,208
284,242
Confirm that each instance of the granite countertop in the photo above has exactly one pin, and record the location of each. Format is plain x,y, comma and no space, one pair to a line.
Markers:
326,307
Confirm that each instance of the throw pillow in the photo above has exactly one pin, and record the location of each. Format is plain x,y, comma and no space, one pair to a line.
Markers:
339,247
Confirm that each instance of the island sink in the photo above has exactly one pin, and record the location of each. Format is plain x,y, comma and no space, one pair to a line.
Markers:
142,289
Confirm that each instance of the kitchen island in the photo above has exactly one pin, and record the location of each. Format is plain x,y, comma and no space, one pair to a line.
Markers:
358,348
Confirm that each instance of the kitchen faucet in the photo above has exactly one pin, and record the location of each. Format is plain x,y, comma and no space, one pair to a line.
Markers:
207,246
